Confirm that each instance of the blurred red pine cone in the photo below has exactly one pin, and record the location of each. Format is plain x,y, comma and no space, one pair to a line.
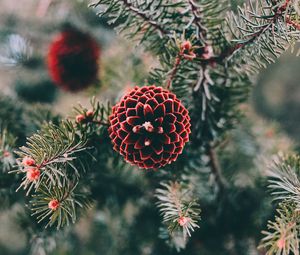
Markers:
73,60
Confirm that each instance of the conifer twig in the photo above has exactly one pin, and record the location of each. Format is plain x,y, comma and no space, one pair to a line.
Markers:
215,168
174,70
185,52
154,24
279,13
201,30
179,209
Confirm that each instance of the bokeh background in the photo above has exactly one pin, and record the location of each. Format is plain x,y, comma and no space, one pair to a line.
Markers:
26,30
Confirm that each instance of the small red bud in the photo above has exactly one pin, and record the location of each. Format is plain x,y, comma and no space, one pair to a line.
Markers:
27,161
281,243
80,118
182,221
6,154
186,45
33,174
90,113
53,204
208,52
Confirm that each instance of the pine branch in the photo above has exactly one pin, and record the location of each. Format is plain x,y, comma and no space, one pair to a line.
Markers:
200,83
58,205
282,235
146,18
173,71
201,30
54,163
179,210
53,151
265,26
94,120
149,22
283,177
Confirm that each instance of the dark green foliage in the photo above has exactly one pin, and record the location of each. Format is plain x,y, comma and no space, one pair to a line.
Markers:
217,168
8,183
282,235
17,122
260,34
40,92
147,21
20,120
12,118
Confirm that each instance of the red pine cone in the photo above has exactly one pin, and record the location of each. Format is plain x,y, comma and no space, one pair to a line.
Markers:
73,60
149,127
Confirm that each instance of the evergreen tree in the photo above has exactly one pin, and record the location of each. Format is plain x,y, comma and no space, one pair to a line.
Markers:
199,189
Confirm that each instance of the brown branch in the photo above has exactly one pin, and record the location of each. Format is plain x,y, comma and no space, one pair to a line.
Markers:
202,31
175,187
174,71
132,8
215,168
251,39
68,193
186,52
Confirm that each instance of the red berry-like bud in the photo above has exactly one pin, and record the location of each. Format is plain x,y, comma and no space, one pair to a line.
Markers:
33,174
90,113
80,118
281,243
73,60
27,161
149,127
186,45
182,221
208,52
6,154
53,204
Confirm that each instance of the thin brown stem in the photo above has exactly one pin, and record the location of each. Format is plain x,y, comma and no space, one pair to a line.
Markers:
255,36
201,30
51,160
215,168
175,188
68,193
174,70
151,22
